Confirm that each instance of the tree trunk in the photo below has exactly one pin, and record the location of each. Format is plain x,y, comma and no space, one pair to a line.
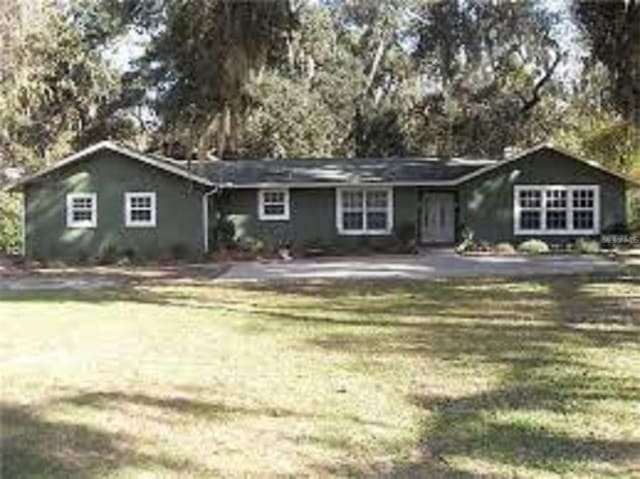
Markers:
377,60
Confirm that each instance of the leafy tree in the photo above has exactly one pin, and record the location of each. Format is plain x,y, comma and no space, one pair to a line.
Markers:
290,121
54,98
10,223
601,121
204,57
593,129
486,66
612,30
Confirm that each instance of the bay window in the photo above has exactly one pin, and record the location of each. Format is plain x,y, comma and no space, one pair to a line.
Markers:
556,209
364,211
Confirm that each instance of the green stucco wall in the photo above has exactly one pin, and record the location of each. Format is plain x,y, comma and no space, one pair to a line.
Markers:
178,202
486,202
312,218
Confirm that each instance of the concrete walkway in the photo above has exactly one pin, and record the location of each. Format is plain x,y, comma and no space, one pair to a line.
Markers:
439,264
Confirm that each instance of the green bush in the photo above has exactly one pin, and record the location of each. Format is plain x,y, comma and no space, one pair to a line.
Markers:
252,245
406,234
10,223
128,256
587,246
533,246
225,233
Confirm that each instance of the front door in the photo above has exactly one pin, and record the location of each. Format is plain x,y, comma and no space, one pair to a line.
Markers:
438,218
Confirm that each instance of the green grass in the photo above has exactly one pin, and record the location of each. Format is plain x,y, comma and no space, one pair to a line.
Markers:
464,378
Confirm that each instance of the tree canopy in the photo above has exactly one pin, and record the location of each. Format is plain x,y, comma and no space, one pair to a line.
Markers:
281,78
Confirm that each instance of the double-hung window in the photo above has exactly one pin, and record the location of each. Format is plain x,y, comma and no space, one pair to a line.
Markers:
364,211
140,209
556,209
82,210
273,204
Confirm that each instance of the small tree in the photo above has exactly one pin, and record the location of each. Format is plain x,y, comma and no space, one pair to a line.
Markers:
10,224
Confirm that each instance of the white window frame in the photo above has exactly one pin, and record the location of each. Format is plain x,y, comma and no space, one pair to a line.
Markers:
130,222
569,230
364,231
94,210
261,204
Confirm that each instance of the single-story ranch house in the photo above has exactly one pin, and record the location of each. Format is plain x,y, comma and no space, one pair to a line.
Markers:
112,197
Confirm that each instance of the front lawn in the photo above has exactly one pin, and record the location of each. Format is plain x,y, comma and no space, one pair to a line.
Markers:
465,378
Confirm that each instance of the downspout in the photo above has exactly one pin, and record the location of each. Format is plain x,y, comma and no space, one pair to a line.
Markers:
205,216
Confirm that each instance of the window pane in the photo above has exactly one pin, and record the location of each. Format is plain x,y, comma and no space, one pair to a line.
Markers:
376,220
140,202
583,220
273,209
556,220
82,215
352,221
530,220
377,199
530,199
141,215
556,199
583,198
274,197
82,203
352,200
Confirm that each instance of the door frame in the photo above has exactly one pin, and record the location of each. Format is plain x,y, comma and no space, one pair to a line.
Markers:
421,220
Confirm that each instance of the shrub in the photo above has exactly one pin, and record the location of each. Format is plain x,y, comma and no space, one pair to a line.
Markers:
10,224
251,245
534,246
587,246
620,229
505,249
406,234
467,243
225,233
129,256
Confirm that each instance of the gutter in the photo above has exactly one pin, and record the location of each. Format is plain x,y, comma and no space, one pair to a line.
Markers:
205,216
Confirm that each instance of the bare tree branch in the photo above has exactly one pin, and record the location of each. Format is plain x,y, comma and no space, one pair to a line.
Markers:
534,99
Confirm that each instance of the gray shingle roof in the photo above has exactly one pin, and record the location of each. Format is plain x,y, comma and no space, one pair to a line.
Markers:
330,171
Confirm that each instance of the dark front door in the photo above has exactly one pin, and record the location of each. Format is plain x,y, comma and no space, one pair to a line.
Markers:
438,218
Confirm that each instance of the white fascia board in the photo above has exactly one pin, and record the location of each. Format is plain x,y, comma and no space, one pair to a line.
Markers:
108,145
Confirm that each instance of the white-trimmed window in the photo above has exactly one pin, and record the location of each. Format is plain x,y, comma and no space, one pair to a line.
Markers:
82,210
364,211
140,209
556,209
273,204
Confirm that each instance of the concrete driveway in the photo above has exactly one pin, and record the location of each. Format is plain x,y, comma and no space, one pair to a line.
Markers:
431,265
441,264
